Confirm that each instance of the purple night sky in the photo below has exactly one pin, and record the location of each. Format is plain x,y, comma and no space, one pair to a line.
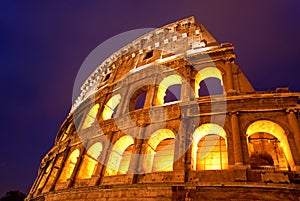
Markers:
43,44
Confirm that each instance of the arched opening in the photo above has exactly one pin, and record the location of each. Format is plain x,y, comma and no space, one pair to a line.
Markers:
210,86
90,117
111,107
173,93
268,146
138,98
120,156
140,101
209,148
45,175
89,162
69,166
160,151
53,172
169,89
208,81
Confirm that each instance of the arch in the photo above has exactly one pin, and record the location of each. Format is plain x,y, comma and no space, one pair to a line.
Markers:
209,148
164,85
209,72
120,156
90,117
45,175
69,166
140,101
160,151
89,162
138,98
262,131
110,106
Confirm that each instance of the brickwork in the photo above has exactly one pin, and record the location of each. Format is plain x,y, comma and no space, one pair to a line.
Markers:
236,114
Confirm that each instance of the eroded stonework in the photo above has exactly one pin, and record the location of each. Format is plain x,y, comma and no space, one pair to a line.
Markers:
171,116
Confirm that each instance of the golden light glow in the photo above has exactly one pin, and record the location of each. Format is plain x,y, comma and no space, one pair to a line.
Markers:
110,106
45,175
164,85
160,151
69,166
120,156
209,72
209,148
90,117
90,161
266,126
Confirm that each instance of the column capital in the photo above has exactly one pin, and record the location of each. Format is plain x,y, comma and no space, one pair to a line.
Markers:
233,113
229,58
289,110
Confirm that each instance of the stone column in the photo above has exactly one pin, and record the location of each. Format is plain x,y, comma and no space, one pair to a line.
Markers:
229,63
186,87
295,163
294,124
149,96
136,165
237,146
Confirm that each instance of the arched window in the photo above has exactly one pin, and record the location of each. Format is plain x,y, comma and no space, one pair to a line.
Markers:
56,166
69,166
90,117
45,175
160,151
169,89
90,161
111,107
138,98
120,156
209,148
140,101
208,81
268,146
173,93
210,86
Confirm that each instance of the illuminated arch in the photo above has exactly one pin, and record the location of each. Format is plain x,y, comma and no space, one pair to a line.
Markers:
269,127
160,151
69,166
120,156
209,147
89,162
90,117
45,175
209,72
164,85
110,106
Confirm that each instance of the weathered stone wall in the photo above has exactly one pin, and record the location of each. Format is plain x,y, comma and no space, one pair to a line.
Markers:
236,109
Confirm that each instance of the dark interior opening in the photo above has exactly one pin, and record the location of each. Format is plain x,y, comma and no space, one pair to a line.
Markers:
140,101
173,93
210,86
149,54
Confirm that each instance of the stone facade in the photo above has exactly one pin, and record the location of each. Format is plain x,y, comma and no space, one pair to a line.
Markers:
171,116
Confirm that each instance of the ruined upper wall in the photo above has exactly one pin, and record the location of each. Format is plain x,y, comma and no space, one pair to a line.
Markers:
175,38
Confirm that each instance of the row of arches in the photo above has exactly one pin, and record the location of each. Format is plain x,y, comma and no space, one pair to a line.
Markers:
208,81
267,144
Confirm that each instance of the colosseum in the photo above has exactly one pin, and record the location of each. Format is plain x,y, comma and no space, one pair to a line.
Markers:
171,116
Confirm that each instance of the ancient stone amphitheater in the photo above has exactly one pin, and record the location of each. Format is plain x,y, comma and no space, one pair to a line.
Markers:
171,116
